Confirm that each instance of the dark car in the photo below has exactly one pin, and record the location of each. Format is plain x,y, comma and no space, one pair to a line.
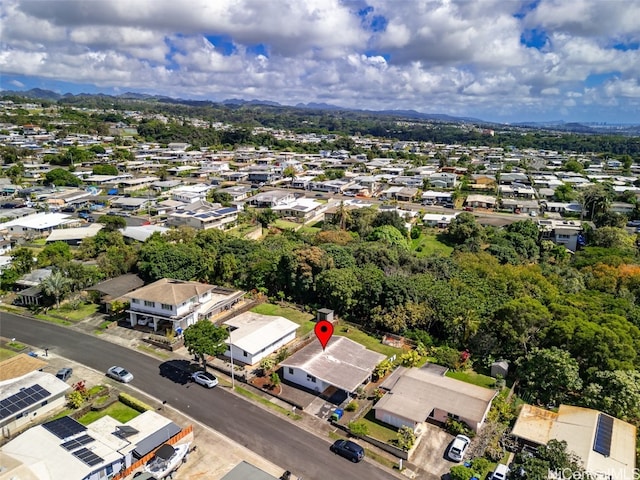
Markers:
64,374
348,449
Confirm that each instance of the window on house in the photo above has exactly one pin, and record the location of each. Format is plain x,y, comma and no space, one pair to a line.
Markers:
244,354
166,306
134,300
147,303
290,371
453,417
311,378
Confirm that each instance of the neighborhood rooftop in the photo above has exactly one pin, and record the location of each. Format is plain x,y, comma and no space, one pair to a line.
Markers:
344,363
252,331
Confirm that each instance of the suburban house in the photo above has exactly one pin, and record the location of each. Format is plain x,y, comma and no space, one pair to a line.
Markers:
74,236
178,304
28,398
438,220
203,216
605,444
417,395
562,232
38,223
517,205
443,180
343,365
20,365
115,288
300,209
271,199
253,336
67,449
481,201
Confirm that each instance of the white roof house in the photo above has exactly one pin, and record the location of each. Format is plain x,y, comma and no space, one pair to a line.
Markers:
605,444
38,222
254,336
343,364
419,394
75,235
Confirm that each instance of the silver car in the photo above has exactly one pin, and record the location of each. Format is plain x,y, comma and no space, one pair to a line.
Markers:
119,374
205,379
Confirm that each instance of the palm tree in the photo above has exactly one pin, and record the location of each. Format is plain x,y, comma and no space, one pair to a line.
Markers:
55,285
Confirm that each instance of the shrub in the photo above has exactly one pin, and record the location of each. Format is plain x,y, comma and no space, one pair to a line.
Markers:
358,429
378,393
454,427
266,364
410,359
382,369
275,379
447,356
75,399
134,403
460,472
406,438
352,406
282,354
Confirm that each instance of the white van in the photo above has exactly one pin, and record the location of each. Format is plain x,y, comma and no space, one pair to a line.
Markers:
500,473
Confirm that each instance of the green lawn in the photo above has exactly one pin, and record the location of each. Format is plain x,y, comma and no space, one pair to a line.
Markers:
285,225
377,429
121,412
304,319
66,314
426,245
257,398
472,377
372,343
6,353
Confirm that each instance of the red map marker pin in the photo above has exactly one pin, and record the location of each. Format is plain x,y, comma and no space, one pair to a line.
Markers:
323,330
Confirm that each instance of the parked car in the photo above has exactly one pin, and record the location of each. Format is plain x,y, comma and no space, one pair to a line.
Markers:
119,374
348,449
500,473
458,448
64,373
205,379
449,205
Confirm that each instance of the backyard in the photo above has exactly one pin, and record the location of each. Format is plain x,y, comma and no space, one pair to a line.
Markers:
427,244
121,412
304,319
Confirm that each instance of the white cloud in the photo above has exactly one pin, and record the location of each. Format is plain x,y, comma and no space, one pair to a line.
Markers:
450,56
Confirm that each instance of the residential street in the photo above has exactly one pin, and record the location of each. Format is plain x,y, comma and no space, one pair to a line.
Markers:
278,440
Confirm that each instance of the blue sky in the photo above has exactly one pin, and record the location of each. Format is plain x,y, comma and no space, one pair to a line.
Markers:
490,59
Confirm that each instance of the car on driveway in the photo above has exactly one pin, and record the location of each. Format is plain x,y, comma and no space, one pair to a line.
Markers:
119,374
458,448
348,449
205,379
64,373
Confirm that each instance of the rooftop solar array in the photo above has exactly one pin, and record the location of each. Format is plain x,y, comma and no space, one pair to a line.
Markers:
77,442
21,400
64,427
88,457
604,433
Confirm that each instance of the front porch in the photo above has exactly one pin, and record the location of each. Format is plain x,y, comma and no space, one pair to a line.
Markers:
161,323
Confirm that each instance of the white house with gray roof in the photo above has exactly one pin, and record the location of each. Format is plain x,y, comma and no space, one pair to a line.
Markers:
254,336
344,364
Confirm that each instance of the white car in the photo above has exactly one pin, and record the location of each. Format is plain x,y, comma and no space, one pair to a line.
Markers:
119,374
458,448
500,473
205,379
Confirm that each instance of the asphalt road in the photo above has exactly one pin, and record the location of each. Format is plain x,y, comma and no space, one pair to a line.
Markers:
278,440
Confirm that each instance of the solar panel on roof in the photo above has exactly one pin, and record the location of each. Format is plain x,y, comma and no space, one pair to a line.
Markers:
88,457
21,400
604,433
77,442
64,427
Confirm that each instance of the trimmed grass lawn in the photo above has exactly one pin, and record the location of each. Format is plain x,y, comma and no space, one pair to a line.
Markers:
121,412
472,377
285,225
257,398
426,245
66,314
303,319
377,429
372,343
6,353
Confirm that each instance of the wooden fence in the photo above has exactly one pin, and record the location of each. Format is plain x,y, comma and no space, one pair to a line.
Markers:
173,440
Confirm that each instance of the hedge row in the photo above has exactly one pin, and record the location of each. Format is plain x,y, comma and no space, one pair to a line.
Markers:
134,403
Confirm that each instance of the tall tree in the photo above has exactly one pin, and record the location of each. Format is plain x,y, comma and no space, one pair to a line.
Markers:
56,285
205,338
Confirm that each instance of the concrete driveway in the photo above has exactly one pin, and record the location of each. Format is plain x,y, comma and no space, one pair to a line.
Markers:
429,455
